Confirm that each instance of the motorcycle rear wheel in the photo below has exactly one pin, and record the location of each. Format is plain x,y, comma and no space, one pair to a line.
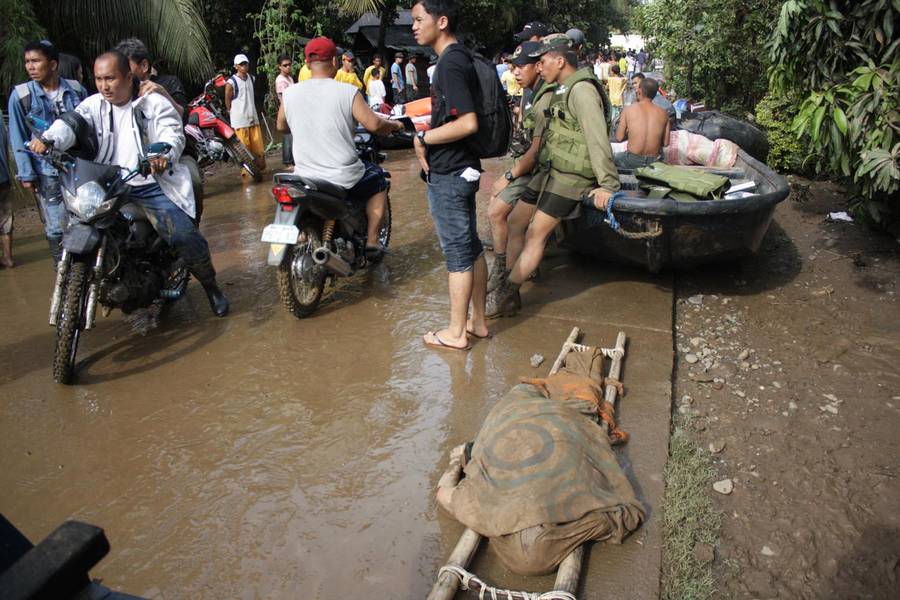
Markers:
243,157
301,296
68,328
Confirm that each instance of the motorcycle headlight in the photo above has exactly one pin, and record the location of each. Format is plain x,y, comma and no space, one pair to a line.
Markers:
87,201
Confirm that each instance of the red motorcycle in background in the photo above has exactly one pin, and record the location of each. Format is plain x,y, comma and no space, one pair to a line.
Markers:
209,136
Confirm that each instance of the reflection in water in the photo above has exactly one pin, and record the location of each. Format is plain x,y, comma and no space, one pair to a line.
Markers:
259,455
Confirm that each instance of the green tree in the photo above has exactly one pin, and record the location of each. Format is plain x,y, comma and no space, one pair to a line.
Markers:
843,57
172,29
714,50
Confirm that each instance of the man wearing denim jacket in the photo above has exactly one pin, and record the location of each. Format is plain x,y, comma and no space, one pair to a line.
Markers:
44,98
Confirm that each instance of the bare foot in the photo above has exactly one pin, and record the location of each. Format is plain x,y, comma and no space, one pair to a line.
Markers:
7,263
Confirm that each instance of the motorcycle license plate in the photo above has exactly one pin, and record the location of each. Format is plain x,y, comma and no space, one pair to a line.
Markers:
280,234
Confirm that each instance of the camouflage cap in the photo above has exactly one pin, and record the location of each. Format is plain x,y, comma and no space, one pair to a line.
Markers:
554,41
523,54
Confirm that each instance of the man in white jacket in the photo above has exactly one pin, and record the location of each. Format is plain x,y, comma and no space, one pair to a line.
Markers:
124,124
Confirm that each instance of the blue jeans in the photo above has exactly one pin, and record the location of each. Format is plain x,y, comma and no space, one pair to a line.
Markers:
452,202
174,226
49,194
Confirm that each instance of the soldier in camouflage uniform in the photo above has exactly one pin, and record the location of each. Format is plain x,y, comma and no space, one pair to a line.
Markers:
526,142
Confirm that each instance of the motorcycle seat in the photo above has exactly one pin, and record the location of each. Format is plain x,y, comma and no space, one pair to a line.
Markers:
133,212
318,185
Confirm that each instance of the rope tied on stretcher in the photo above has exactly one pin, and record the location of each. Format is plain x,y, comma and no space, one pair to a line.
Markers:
470,581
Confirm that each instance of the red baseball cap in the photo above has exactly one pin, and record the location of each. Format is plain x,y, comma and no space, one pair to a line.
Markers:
320,49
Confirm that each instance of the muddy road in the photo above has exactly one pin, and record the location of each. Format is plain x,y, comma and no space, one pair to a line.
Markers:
261,456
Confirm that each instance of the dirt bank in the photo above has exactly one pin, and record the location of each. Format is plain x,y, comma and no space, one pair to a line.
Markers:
788,364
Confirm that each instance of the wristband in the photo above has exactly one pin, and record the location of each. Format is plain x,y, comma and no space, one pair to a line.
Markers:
421,136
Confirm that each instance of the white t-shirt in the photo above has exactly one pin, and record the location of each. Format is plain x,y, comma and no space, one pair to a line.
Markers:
376,92
430,72
127,152
243,106
320,115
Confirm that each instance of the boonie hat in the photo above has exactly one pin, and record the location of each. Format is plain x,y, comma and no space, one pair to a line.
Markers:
522,55
320,49
241,58
554,41
532,29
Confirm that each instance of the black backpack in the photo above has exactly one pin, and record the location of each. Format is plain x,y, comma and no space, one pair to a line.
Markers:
495,122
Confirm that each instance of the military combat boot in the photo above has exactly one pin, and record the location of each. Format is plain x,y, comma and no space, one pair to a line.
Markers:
498,272
206,275
504,301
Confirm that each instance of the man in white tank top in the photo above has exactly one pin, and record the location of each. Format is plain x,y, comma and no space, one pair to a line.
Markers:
321,114
241,107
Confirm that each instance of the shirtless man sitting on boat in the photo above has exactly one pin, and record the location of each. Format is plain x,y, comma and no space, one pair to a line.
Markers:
646,126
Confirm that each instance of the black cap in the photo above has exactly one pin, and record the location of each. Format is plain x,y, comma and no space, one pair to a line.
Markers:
532,29
522,55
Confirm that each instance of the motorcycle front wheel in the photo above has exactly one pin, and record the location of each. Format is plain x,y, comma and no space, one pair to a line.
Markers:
300,281
68,327
243,157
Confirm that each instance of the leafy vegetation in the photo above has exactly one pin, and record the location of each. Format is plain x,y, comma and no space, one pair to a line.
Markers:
714,50
844,58
775,113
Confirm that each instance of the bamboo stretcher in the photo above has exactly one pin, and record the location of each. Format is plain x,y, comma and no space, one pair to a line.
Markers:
569,572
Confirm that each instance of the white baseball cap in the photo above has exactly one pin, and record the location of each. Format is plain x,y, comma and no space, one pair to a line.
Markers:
241,58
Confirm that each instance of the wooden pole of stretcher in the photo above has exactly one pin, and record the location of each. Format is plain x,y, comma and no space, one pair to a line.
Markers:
570,568
447,584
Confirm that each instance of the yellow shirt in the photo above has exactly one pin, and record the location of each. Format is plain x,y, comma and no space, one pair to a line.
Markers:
304,74
351,78
623,65
512,86
616,87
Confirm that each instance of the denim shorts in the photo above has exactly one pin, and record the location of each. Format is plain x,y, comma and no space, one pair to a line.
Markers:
452,202
373,181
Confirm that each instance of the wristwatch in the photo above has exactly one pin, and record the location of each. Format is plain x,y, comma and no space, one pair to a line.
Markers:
508,175
421,136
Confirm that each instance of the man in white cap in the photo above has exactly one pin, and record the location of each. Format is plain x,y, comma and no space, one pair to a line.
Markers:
241,106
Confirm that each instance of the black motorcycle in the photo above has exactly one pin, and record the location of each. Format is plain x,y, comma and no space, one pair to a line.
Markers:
318,234
112,255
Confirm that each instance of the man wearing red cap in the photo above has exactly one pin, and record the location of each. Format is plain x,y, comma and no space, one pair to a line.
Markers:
322,114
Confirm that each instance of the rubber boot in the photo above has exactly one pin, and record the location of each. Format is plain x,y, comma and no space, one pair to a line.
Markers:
55,243
504,301
206,275
6,248
498,273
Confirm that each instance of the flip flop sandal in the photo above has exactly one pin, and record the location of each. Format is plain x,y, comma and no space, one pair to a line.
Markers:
479,337
441,345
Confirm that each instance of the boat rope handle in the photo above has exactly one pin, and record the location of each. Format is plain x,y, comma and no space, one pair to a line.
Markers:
653,232
466,579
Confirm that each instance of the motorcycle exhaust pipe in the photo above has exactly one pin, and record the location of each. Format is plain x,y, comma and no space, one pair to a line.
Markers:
61,269
331,261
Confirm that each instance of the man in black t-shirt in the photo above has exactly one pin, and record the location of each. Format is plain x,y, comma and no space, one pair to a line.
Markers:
452,172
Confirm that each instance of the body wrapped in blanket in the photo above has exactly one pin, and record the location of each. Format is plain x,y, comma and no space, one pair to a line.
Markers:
542,478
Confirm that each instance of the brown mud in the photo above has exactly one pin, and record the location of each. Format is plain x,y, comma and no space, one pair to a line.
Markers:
262,456
796,394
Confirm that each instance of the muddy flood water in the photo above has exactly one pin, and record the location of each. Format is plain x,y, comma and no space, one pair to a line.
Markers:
256,456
